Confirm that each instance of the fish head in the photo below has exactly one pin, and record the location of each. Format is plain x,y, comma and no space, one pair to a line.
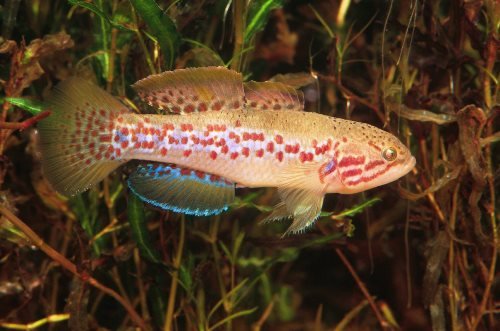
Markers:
367,157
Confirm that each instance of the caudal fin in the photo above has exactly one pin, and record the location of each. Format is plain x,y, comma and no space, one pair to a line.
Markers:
76,140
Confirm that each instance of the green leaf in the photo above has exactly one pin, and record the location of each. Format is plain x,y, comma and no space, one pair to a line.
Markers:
258,15
140,232
32,106
115,22
352,211
85,207
284,306
161,26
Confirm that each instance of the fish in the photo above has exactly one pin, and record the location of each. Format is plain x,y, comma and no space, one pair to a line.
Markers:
220,133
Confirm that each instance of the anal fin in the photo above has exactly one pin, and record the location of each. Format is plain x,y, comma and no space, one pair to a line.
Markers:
181,190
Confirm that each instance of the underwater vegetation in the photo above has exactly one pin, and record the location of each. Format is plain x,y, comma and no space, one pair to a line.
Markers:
420,253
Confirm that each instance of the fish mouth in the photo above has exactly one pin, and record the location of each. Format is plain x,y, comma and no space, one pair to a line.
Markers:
409,165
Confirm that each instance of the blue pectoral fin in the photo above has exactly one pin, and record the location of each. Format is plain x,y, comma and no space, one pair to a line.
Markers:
181,190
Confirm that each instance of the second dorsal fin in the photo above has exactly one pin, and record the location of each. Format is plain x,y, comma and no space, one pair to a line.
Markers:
193,90
272,96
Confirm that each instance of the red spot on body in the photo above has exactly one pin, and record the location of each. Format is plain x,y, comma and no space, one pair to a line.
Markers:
310,156
213,155
151,144
202,107
259,152
278,139
344,139
189,108
224,149
234,155
237,124
295,148
163,151
195,139
137,145
217,105
185,172
270,147
246,136
187,152
144,144
184,140
302,157
124,144
199,174
124,131
245,151
279,156
288,149
105,139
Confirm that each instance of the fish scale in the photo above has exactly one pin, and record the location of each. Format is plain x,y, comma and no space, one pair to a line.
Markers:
226,134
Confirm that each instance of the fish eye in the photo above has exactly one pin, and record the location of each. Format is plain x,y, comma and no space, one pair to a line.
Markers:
390,154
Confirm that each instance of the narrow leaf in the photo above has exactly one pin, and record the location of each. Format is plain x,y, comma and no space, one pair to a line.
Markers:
258,15
140,232
354,210
32,106
161,26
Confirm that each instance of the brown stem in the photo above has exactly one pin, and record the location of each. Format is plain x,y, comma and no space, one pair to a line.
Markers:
26,123
68,265
363,288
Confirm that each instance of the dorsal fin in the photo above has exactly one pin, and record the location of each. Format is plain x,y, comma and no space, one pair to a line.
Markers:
193,90
181,190
272,96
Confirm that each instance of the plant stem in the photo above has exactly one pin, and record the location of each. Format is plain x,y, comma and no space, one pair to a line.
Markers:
68,265
239,25
175,278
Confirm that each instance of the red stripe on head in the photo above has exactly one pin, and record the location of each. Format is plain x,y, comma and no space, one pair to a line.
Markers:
366,179
351,161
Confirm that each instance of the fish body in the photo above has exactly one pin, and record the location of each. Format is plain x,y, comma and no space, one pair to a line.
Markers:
228,133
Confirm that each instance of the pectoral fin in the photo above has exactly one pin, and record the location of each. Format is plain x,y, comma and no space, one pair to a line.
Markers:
303,205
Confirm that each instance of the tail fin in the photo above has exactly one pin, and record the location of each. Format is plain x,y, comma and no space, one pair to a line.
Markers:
76,140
